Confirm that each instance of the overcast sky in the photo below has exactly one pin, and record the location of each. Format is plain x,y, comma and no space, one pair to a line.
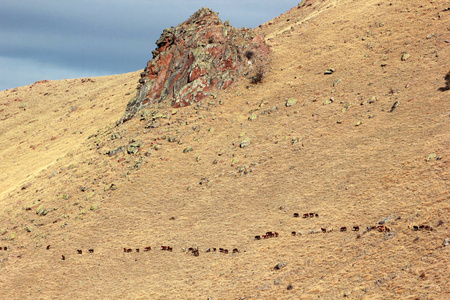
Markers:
56,39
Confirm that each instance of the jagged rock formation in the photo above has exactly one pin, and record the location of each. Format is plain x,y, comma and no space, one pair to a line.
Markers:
199,56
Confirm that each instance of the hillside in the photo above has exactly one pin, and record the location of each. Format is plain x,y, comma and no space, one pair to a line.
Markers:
350,123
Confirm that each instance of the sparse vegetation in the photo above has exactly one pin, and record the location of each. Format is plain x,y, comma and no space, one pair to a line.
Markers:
447,83
379,183
258,77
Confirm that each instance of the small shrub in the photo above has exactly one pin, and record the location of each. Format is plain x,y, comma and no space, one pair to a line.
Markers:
257,78
447,82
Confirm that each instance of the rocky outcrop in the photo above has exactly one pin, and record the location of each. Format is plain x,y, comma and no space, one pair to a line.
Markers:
198,57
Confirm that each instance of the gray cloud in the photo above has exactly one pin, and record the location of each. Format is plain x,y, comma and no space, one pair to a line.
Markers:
63,39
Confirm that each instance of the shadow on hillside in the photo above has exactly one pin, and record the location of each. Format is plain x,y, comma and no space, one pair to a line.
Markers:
447,83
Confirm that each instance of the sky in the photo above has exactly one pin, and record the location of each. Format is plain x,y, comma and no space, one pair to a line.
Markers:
57,39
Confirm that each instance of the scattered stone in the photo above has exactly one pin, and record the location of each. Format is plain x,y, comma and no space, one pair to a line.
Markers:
115,151
340,121
110,186
329,71
115,136
329,101
172,139
188,149
280,266
446,242
133,147
41,211
90,195
291,102
25,186
336,82
385,220
245,142
431,156
405,56
394,106
94,207
153,124
252,117
359,123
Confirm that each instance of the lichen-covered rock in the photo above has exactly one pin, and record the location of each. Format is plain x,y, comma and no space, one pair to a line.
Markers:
195,58
188,149
290,102
133,147
329,101
245,142
431,156
115,151
41,211
94,207
405,56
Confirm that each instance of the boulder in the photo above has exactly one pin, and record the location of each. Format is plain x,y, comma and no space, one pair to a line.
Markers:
196,58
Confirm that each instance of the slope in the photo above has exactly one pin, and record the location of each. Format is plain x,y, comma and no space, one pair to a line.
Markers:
366,145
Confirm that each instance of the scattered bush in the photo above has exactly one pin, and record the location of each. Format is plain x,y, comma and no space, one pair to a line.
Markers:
257,78
249,54
447,82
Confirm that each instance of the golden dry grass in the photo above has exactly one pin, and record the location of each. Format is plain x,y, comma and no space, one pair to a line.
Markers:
300,159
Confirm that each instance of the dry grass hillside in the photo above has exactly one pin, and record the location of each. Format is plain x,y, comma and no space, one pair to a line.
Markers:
367,145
